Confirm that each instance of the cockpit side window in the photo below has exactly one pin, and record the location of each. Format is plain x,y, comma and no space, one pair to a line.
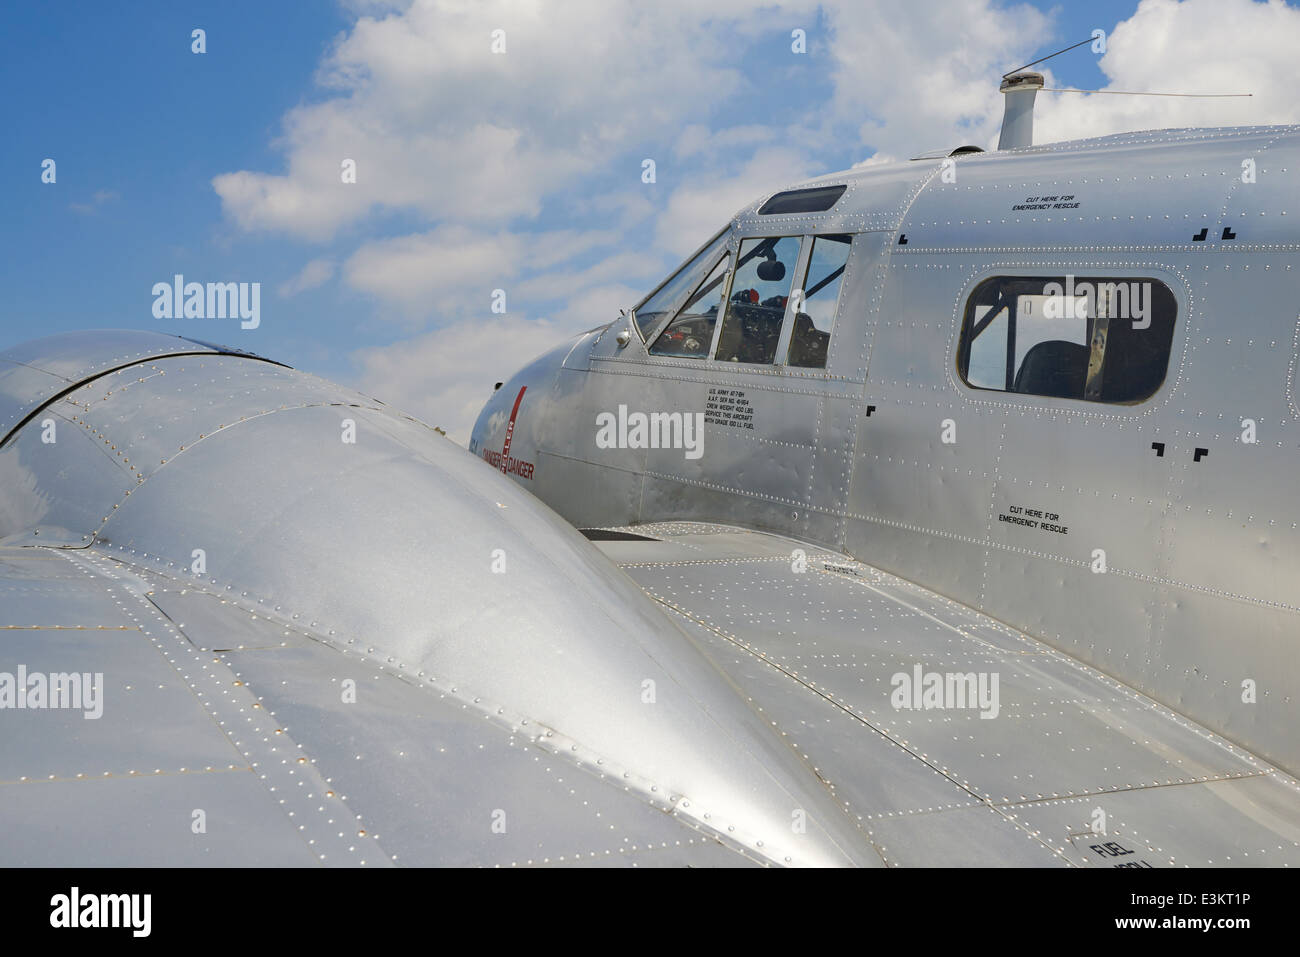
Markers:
755,310
690,334
1069,337
655,309
815,317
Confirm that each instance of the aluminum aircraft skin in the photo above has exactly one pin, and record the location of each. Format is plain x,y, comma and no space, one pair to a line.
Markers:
1093,499
253,617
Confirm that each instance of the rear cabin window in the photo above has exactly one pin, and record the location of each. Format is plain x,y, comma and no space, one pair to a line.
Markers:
1098,339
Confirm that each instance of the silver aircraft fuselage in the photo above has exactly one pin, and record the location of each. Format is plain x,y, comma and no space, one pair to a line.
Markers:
1126,493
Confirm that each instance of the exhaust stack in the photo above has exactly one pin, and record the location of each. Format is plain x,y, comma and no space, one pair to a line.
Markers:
1018,118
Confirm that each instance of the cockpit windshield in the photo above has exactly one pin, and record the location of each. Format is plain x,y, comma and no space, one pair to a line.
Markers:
665,300
690,334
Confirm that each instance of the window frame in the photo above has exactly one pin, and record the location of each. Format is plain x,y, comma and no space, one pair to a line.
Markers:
789,202
1173,284
731,250
659,327
805,261
787,317
727,253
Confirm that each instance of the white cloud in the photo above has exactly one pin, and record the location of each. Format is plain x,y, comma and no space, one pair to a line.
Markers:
699,208
452,271
600,304
439,124
498,158
315,273
1196,46
445,377
563,284
435,271
100,198
697,138
924,88
918,76
876,159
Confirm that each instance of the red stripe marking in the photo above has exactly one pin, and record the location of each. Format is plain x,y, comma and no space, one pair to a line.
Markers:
510,429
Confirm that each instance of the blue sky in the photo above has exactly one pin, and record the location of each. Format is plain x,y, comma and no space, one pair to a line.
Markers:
115,96
519,171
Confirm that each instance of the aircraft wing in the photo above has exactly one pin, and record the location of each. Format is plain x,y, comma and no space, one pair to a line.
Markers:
1073,768
227,738
248,616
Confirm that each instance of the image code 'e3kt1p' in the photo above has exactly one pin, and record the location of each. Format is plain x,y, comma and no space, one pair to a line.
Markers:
937,512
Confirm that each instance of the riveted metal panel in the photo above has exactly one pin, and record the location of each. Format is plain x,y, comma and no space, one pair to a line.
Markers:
283,508
442,786
907,472
871,775
153,411
1233,518
832,473
861,292
1232,660
217,624
59,492
1076,587
1111,620
589,484
1241,343
755,442
1262,212
953,565
877,198
1105,192
76,356
850,641
304,500
403,772
40,588
22,389
33,372
671,499
130,736
1065,739
530,418
147,821
965,837
1179,826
